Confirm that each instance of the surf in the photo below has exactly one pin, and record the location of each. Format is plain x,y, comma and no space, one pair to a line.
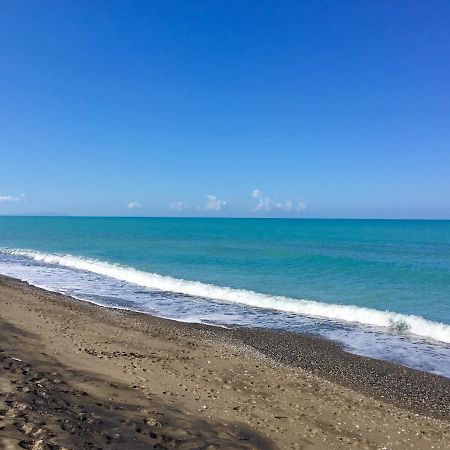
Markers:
397,322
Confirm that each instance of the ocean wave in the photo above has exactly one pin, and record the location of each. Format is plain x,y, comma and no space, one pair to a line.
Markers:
347,313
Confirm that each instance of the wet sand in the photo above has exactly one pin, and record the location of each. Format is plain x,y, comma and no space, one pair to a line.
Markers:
77,376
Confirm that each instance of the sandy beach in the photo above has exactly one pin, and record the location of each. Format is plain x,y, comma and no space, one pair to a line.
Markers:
77,376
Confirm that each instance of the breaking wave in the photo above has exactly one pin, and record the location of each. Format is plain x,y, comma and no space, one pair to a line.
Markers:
401,323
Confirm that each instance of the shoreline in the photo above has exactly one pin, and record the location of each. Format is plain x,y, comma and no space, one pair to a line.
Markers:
301,366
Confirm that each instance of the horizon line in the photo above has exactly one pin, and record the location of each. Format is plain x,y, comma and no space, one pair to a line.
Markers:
220,217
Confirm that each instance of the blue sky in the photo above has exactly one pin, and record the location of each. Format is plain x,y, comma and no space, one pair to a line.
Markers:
225,108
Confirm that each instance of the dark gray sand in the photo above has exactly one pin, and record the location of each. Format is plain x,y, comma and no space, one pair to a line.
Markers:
41,409
77,376
407,388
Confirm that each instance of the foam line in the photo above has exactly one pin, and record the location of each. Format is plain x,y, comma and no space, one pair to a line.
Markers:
400,322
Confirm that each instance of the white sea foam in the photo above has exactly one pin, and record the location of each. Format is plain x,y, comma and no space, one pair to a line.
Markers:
399,322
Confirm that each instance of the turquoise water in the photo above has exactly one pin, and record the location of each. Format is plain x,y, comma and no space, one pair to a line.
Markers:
399,266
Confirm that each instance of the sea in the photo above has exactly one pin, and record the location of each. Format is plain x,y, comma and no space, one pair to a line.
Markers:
379,288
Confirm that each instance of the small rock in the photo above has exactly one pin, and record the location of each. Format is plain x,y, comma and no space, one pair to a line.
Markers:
27,428
3,406
152,422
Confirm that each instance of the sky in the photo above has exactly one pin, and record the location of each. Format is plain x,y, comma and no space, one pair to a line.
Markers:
225,108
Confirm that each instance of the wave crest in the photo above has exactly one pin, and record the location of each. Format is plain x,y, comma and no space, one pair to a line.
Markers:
401,323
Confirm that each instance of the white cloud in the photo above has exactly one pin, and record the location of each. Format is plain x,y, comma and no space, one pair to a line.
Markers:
11,198
301,206
284,206
213,203
265,203
134,205
179,206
